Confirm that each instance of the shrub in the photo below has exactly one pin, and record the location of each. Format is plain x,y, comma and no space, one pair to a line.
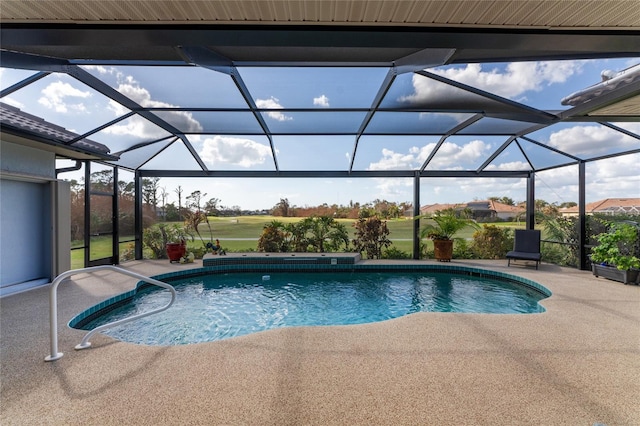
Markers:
617,246
557,254
395,253
462,250
273,238
371,236
565,233
492,242
156,237
128,253
198,252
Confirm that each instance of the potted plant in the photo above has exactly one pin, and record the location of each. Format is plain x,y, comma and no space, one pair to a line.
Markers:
176,242
615,255
176,250
441,229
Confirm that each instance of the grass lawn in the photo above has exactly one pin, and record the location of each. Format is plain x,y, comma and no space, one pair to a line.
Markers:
100,248
242,233
238,234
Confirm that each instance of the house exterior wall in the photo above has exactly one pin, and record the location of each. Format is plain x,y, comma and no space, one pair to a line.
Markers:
506,215
25,227
26,161
28,221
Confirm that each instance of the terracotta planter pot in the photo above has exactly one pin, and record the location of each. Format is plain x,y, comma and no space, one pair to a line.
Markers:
175,251
443,250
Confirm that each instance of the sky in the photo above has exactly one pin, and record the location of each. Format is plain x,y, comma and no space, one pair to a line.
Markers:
63,100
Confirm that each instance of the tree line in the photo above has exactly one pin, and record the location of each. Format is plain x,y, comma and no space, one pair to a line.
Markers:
156,208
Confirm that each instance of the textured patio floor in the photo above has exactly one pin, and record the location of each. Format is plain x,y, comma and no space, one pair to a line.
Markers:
576,364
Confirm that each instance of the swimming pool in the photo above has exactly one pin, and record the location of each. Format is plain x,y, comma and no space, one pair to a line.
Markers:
223,305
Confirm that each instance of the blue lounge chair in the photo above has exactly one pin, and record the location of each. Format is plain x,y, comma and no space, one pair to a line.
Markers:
526,246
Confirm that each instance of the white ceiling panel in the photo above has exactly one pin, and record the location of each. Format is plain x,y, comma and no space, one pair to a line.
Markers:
516,13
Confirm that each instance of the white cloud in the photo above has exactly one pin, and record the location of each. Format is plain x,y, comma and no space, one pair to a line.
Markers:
590,140
513,82
517,78
136,126
116,108
615,177
141,128
57,96
512,165
234,151
561,179
450,156
458,190
101,69
10,101
394,189
453,156
273,103
392,160
182,120
322,101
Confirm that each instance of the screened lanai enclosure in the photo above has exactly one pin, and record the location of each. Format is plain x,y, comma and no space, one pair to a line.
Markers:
305,89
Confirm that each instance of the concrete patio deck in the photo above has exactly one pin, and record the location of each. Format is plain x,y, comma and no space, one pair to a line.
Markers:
576,364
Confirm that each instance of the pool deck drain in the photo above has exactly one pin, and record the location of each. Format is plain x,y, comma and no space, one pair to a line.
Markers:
577,363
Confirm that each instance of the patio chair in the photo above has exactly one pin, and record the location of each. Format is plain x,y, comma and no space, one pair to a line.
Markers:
526,246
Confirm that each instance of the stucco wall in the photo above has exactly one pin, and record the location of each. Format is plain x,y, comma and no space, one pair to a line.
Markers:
25,227
24,160
25,213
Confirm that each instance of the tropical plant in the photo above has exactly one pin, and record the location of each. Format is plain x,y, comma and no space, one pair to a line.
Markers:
191,222
565,232
326,234
273,238
156,238
371,236
316,233
444,225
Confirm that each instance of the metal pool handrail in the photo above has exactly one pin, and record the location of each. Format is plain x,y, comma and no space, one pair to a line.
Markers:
53,306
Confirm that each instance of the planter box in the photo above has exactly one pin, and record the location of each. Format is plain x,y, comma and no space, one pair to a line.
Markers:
612,273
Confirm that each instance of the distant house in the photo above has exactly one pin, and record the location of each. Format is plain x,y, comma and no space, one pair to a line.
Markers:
485,209
432,208
607,206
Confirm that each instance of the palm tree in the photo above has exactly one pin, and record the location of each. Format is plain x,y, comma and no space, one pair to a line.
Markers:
326,232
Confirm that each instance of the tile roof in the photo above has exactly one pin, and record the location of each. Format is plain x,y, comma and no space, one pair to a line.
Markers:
475,205
608,205
16,118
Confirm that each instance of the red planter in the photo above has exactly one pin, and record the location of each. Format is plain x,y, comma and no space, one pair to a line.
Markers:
175,251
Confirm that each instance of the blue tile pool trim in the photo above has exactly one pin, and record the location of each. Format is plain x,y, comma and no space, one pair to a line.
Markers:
281,259
116,301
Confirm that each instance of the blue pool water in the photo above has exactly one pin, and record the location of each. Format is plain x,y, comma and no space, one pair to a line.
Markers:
220,306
